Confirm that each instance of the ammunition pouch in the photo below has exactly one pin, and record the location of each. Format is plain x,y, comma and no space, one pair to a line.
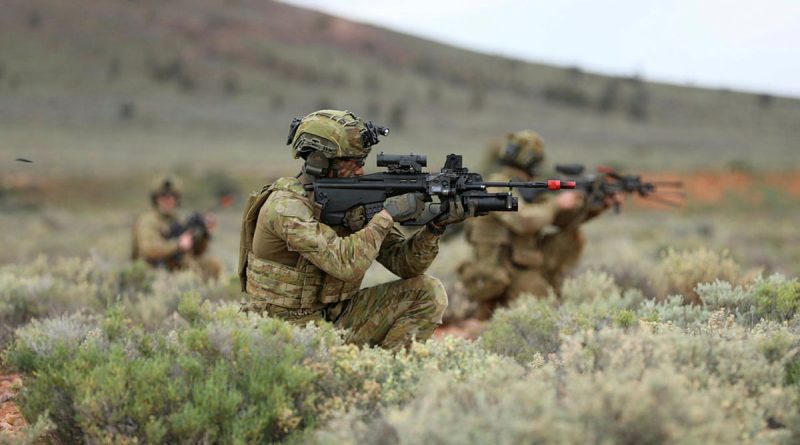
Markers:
526,252
302,287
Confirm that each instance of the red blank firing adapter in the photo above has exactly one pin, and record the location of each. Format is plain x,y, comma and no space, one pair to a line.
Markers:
555,184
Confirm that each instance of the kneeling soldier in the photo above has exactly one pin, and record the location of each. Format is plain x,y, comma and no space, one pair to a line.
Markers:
160,239
297,268
530,251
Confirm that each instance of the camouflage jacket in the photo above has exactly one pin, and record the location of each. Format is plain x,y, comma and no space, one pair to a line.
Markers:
291,259
149,240
524,238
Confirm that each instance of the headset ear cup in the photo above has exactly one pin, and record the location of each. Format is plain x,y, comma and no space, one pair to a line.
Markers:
511,152
293,130
317,164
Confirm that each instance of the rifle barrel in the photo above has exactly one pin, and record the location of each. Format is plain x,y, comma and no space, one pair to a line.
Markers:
667,183
552,184
662,201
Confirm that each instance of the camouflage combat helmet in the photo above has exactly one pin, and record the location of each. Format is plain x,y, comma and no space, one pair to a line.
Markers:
523,150
334,134
163,185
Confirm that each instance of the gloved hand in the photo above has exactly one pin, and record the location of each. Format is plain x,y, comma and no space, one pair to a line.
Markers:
456,213
406,207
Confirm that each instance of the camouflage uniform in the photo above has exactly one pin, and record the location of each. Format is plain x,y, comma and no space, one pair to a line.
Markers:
150,243
295,267
524,252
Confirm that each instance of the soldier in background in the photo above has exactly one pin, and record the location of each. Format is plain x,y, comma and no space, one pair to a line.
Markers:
299,269
526,252
163,241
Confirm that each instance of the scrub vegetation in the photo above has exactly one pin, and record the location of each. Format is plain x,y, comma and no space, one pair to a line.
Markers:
679,326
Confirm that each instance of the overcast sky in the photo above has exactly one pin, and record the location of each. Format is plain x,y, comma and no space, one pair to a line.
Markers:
752,45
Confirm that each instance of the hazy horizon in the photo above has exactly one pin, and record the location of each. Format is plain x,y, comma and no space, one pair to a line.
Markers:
752,47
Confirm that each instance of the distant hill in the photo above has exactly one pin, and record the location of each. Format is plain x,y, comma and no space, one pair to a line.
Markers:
111,86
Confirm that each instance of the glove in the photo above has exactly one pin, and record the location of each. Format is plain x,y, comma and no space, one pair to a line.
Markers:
456,213
406,207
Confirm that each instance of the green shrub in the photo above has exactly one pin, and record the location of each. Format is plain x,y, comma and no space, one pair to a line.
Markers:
793,371
661,385
589,286
681,271
774,298
219,376
674,311
625,319
533,327
724,295
151,359
136,278
51,288
528,329
777,298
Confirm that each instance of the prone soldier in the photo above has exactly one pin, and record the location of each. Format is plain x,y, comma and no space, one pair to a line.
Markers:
295,267
163,241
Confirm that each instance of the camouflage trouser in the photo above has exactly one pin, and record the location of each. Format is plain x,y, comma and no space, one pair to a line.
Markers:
494,286
389,315
207,266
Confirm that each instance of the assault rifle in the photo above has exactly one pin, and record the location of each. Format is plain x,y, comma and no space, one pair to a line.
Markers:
404,175
607,182
196,225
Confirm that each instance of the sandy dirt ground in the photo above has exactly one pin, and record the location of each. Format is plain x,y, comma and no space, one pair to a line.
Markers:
11,419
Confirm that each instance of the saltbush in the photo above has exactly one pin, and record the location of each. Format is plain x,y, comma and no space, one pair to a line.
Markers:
773,298
534,327
51,288
777,298
142,357
528,329
679,272
220,376
661,385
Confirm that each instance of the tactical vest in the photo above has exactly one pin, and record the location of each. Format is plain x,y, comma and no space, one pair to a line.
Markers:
304,286
523,251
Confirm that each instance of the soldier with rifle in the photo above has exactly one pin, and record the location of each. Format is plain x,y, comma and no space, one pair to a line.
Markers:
533,250
162,240
308,240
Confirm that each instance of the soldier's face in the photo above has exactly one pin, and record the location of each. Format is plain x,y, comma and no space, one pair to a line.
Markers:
167,203
347,168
